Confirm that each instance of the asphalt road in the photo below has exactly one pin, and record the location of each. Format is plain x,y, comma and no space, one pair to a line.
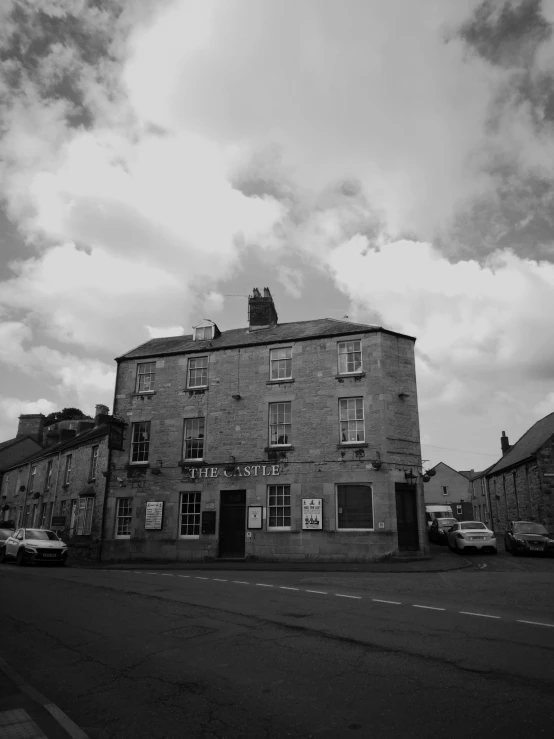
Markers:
154,654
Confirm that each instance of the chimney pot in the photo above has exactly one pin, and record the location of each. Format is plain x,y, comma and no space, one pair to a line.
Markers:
31,424
261,310
504,443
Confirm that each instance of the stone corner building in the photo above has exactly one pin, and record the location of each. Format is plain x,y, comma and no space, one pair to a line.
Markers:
290,441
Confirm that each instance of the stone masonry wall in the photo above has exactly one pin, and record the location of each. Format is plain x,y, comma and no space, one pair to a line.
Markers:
239,428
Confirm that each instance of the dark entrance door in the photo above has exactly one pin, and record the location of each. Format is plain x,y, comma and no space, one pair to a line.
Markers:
232,523
406,517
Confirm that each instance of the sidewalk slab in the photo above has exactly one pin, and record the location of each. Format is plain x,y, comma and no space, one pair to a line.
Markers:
27,714
441,561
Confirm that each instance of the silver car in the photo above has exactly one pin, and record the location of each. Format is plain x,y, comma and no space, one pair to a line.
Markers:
471,535
34,545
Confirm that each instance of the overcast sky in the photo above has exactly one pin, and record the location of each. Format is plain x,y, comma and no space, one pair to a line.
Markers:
389,161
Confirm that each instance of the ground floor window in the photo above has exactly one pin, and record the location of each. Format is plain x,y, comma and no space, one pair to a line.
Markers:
354,507
73,517
123,517
84,516
190,514
278,503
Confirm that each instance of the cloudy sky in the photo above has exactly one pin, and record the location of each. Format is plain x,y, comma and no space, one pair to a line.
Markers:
392,162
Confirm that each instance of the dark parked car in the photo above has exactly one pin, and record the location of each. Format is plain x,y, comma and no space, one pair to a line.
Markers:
4,533
438,529
526,537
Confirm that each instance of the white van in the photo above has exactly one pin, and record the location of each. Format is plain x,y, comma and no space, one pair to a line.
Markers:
437,511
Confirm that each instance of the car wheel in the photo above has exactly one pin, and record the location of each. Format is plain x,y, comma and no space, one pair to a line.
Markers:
494,551
20,559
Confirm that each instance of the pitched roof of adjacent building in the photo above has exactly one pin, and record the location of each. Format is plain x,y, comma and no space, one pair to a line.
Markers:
83,438
467,473
297,331
464,474
528,445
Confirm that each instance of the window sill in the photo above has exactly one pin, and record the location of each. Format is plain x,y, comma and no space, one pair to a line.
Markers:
355,375
279,448
280,382
122,536
190,536
354,531
145,392
278,529
353,445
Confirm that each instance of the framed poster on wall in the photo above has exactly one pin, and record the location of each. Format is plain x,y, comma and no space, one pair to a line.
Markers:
312,513
255,516
154,516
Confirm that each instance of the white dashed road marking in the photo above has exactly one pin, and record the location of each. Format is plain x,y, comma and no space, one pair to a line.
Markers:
337,595
483,615
535,623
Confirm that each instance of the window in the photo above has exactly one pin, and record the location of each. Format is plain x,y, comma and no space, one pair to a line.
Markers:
194,438
278,503
203,333
458,510
63,507
93,462
351,419
32,479
6,483
48,478
140,442
67,475
444,490
84,515
146,374
72,517
350,357
190,514
354,507
280,361
46,516
279,423
123,518
198,372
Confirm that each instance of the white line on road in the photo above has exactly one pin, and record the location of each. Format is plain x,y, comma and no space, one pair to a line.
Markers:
320,592
429,608
183,575
483,615
378,600
137,572
150,573
284,587
241,582
535,623
167,574
219,579
263,585
197,577
355,597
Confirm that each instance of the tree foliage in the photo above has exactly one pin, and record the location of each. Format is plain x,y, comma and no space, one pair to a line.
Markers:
66,414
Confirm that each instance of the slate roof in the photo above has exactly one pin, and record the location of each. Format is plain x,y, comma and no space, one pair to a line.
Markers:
78,440
467,473
528,445
297,331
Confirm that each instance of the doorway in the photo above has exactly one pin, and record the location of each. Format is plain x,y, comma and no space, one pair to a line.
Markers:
406,517
232,524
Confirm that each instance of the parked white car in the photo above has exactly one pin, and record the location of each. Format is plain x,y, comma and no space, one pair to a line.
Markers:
34,545
471,535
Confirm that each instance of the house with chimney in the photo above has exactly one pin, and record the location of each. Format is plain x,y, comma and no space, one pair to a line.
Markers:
520,486
275,441
447,486
25,443
61,485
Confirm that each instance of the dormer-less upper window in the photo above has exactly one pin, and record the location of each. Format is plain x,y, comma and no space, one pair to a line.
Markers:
206,330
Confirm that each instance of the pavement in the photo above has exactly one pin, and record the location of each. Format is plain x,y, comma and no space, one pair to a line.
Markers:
27,714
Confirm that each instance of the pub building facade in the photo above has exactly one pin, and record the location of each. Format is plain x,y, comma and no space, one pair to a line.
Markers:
293,441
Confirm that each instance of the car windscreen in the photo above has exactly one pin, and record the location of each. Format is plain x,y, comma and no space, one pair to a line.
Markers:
445,522
529,528
469,525
4,533
41,535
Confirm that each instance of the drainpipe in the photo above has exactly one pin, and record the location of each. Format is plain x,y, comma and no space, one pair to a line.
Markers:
25,500
56,486
108,470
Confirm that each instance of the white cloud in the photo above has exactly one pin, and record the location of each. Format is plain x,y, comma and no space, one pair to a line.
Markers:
157,332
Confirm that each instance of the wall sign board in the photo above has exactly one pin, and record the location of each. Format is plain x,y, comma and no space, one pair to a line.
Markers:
312,513
255,516
154,515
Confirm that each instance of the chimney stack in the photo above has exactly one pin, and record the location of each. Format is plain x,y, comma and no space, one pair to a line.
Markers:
504,443
101,414
261,310
31,424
